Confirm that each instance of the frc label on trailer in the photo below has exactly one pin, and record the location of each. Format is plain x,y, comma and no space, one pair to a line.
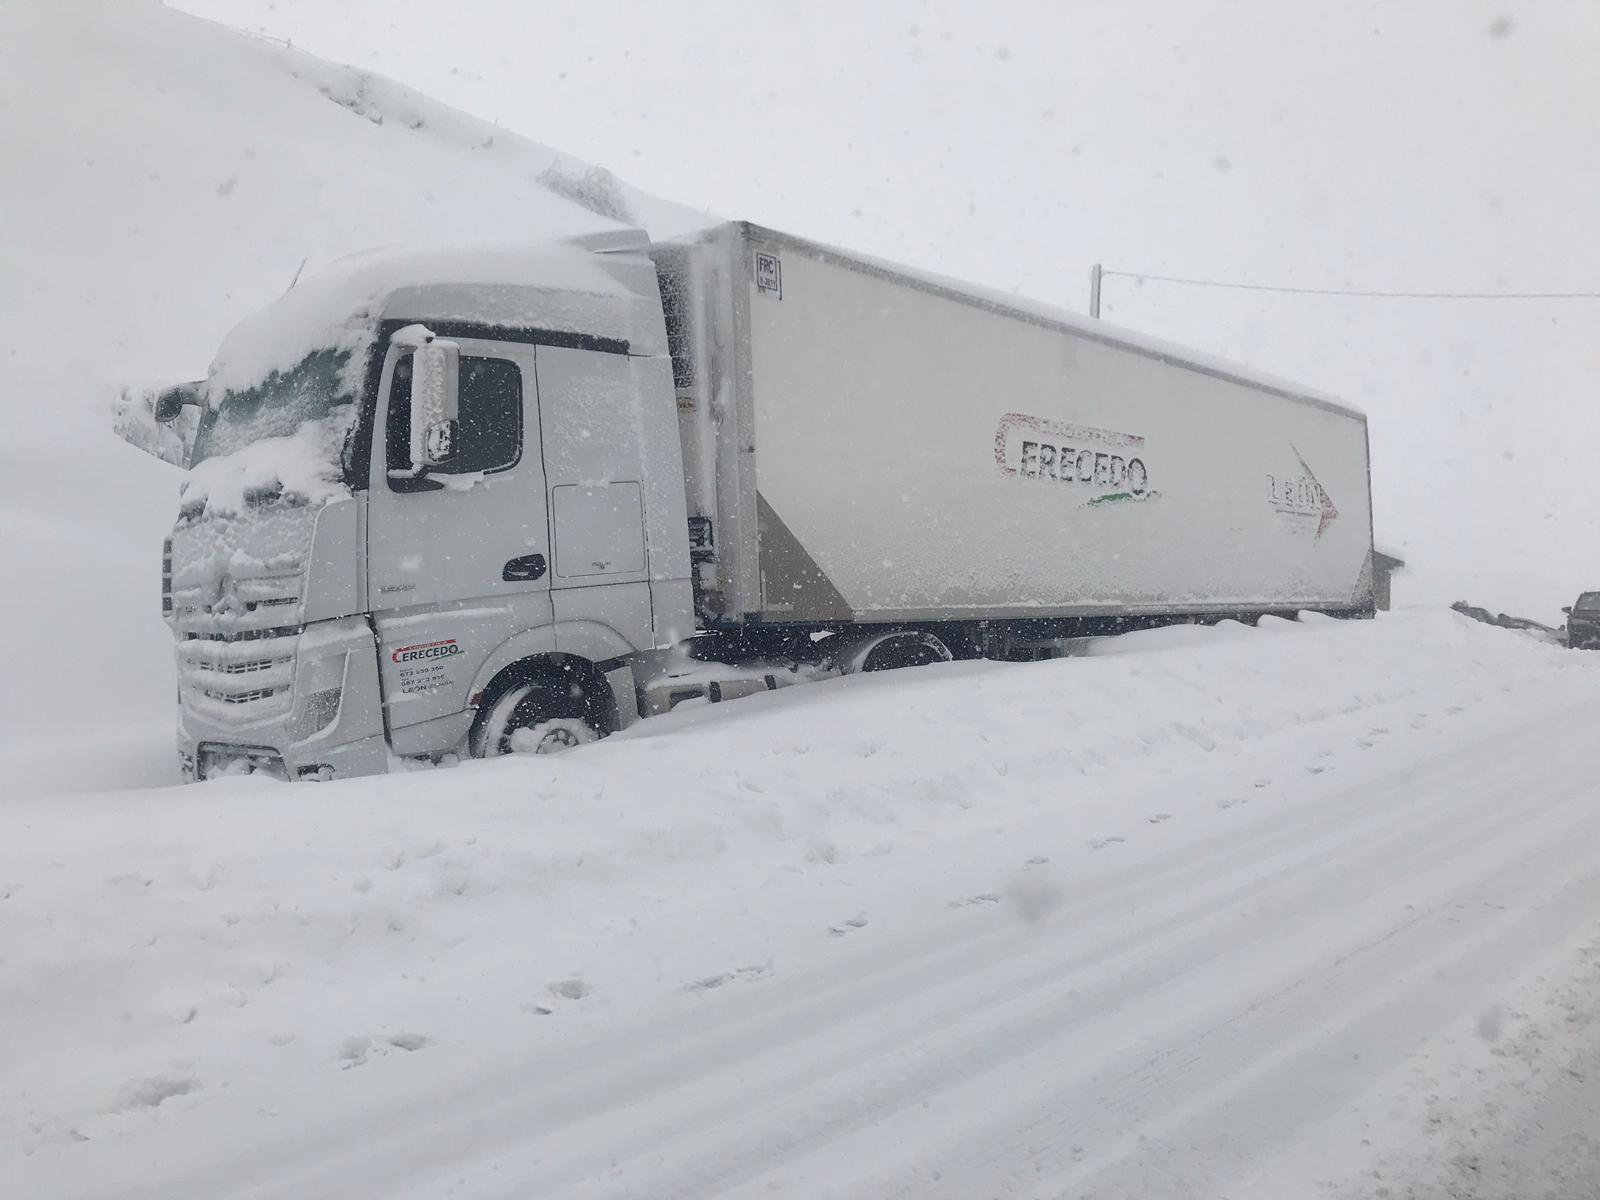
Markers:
1099,466
769,275
1299,499
425,666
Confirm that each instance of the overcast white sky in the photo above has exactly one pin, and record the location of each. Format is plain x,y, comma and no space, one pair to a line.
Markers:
1404,144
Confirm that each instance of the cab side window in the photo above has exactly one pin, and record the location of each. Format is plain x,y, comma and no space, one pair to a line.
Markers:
490,413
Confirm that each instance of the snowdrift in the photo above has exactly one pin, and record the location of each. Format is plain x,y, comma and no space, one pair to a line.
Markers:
189,958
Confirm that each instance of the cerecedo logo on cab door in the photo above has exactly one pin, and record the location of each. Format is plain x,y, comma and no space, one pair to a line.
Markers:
423,651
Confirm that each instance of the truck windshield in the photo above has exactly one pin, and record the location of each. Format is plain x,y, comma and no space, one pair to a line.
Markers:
1588,602
276,407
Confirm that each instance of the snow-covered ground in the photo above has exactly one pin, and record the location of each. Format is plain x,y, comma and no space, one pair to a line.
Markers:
1244,912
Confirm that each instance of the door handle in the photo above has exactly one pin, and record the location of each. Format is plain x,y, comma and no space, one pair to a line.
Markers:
529,566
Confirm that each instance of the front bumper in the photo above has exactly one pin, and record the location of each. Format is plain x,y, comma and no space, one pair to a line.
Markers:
325,721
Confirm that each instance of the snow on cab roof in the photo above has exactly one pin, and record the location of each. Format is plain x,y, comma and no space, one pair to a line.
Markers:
562,286
1064,319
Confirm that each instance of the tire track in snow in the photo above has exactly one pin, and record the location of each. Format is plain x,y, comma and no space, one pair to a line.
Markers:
1315,1028
862,1098
485,1119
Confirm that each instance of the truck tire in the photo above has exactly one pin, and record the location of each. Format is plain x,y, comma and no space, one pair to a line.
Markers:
917,649
554,736
532,718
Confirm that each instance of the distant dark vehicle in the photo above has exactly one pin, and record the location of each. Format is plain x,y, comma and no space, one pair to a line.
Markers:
1583,622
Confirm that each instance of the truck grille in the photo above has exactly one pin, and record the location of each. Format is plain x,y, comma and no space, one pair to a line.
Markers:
242,697
246,635
247,666
239,678
237,592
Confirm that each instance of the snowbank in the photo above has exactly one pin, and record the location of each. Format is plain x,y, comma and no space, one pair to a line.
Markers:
179,956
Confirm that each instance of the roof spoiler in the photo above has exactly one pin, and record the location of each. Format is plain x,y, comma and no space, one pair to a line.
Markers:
610,241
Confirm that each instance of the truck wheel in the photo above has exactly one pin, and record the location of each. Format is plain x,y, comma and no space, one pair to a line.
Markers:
915,650
532,718
552,736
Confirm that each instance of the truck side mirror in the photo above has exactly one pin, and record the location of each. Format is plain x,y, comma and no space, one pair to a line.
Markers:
174,400
435,376
1567,609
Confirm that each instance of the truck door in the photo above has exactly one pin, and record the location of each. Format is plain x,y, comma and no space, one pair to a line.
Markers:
594,456
458,560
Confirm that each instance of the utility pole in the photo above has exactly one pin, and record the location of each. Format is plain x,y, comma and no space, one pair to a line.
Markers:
1094,290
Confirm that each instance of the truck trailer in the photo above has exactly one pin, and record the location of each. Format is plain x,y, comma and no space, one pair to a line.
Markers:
461,502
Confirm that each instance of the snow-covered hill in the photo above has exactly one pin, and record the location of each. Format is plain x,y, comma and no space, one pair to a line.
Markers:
163,176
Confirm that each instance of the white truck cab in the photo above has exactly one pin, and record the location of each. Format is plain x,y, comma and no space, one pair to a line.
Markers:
340,594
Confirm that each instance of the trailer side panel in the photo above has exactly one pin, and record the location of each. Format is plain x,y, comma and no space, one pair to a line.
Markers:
920,455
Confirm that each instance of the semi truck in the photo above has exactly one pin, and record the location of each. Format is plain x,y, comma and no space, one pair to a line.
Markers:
464,502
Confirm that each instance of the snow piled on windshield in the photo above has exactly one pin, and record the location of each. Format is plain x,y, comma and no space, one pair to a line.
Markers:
302,468
339,307
284,387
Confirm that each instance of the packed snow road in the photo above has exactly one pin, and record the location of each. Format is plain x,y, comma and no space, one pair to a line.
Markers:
1312,909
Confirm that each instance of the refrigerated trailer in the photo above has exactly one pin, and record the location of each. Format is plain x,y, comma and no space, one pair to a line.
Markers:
463,502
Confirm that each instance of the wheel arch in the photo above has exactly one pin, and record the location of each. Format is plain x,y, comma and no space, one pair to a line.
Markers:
859,645
588,640
557,670
568,652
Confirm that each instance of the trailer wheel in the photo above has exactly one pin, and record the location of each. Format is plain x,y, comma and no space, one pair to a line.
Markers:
533,718
906,650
